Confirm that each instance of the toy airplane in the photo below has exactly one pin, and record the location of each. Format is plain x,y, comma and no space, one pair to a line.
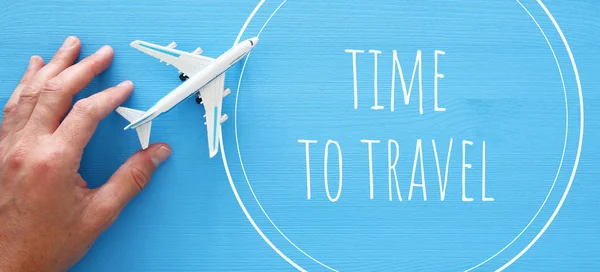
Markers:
202,76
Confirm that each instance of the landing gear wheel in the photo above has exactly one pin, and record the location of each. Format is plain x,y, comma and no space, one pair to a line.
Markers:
198,100
183,77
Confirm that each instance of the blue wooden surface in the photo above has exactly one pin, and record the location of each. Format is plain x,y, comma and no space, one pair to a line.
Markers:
501,85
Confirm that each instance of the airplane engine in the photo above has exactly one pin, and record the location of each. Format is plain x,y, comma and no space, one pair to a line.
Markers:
226,92
198,51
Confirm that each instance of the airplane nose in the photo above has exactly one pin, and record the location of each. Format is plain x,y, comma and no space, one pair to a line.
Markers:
254,41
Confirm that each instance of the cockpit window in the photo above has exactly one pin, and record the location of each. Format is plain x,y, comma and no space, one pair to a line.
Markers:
251,43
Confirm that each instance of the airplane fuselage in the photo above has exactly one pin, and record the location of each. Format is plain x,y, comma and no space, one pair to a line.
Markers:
192,85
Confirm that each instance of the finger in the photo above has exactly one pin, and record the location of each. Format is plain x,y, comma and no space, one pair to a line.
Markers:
57,94
131,178
29,95
8,117
80,124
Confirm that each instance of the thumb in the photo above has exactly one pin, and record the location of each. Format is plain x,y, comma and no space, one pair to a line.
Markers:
133,176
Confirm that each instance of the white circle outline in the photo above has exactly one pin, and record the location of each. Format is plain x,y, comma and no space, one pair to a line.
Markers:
514,258
581,124
483,262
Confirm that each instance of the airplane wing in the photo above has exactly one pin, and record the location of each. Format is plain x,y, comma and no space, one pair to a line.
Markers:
186,62
212,98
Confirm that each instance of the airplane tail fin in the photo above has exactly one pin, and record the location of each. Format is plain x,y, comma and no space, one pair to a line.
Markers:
143,131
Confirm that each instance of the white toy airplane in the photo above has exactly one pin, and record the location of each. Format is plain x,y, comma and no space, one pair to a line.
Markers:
203,76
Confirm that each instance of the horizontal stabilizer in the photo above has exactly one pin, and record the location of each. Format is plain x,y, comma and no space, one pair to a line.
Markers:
130,114
143,131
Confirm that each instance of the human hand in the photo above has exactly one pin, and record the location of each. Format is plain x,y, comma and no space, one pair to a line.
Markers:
49,218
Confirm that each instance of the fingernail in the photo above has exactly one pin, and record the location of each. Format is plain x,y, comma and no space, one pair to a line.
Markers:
69,42
104,50
160,155
34,60
125,83
31,59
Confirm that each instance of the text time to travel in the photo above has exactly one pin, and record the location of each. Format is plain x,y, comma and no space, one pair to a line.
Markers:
393,148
